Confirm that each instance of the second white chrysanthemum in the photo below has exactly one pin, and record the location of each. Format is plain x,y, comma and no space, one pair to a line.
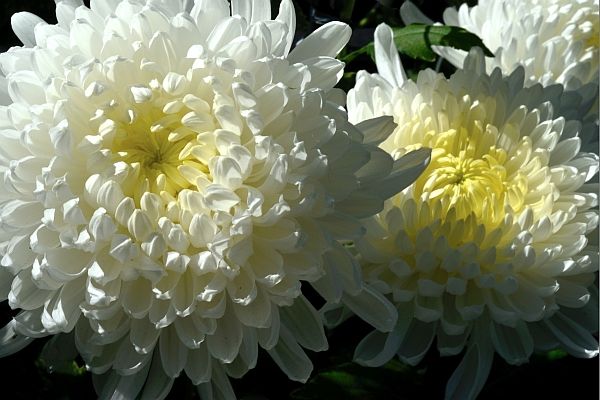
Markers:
487,249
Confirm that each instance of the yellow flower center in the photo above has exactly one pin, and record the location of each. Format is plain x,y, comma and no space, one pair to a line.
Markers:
155,140
462,182
470,174
590,30
155,159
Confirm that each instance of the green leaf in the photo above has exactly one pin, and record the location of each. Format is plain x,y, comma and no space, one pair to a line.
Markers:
368,49
351,381
346,9
557,354
70,368
58,356
415,40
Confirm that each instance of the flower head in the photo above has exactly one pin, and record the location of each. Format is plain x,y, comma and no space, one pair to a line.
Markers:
556,41
171,174
487,249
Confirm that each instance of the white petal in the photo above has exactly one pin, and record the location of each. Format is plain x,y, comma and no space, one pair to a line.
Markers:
573,337
158,384
387,58
406,169
220,198
377,348
412,15
143,335
188,333
114,386
6,279
268,337
469,377
515,345
173,354
207,13
325,71
128,361
304,322
327,41
373,308
376,130
25,294
65,12
25,86
226,172
224,344
104,8
11,341
343,266
287,15
417,341
252,10
257,313
221,384
198,367
334,314
451,345
290,357
136,297
249,349
23,24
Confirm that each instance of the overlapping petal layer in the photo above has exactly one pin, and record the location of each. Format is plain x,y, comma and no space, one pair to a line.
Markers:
171,174
488,249
556,41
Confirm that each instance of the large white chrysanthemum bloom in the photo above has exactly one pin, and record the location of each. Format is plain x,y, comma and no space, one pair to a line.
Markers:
170,175
487,249
556,41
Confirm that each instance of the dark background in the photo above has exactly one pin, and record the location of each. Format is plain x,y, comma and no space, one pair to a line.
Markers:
548,376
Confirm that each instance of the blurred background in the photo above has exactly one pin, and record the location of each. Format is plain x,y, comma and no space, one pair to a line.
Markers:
549,376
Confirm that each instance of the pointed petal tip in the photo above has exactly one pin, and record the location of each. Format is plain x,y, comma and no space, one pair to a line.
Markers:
411,14
23,24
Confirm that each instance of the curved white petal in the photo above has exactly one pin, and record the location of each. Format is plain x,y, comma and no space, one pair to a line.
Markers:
287,15
158,384
290,357
515,345
374,308
11,341
23,24
328,41
377,348
252,10
387,58
304,322
469,377
412,15
578,341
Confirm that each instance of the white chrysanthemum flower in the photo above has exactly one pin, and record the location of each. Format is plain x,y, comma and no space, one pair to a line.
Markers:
487,249
556,41
170,176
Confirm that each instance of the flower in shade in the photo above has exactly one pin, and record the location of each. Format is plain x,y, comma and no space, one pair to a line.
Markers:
487,250
556,41
171,173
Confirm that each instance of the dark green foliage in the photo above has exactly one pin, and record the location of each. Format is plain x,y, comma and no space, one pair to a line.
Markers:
415,41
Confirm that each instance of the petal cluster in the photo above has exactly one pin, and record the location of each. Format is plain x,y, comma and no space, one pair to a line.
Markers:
170,175
556,41
488,249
